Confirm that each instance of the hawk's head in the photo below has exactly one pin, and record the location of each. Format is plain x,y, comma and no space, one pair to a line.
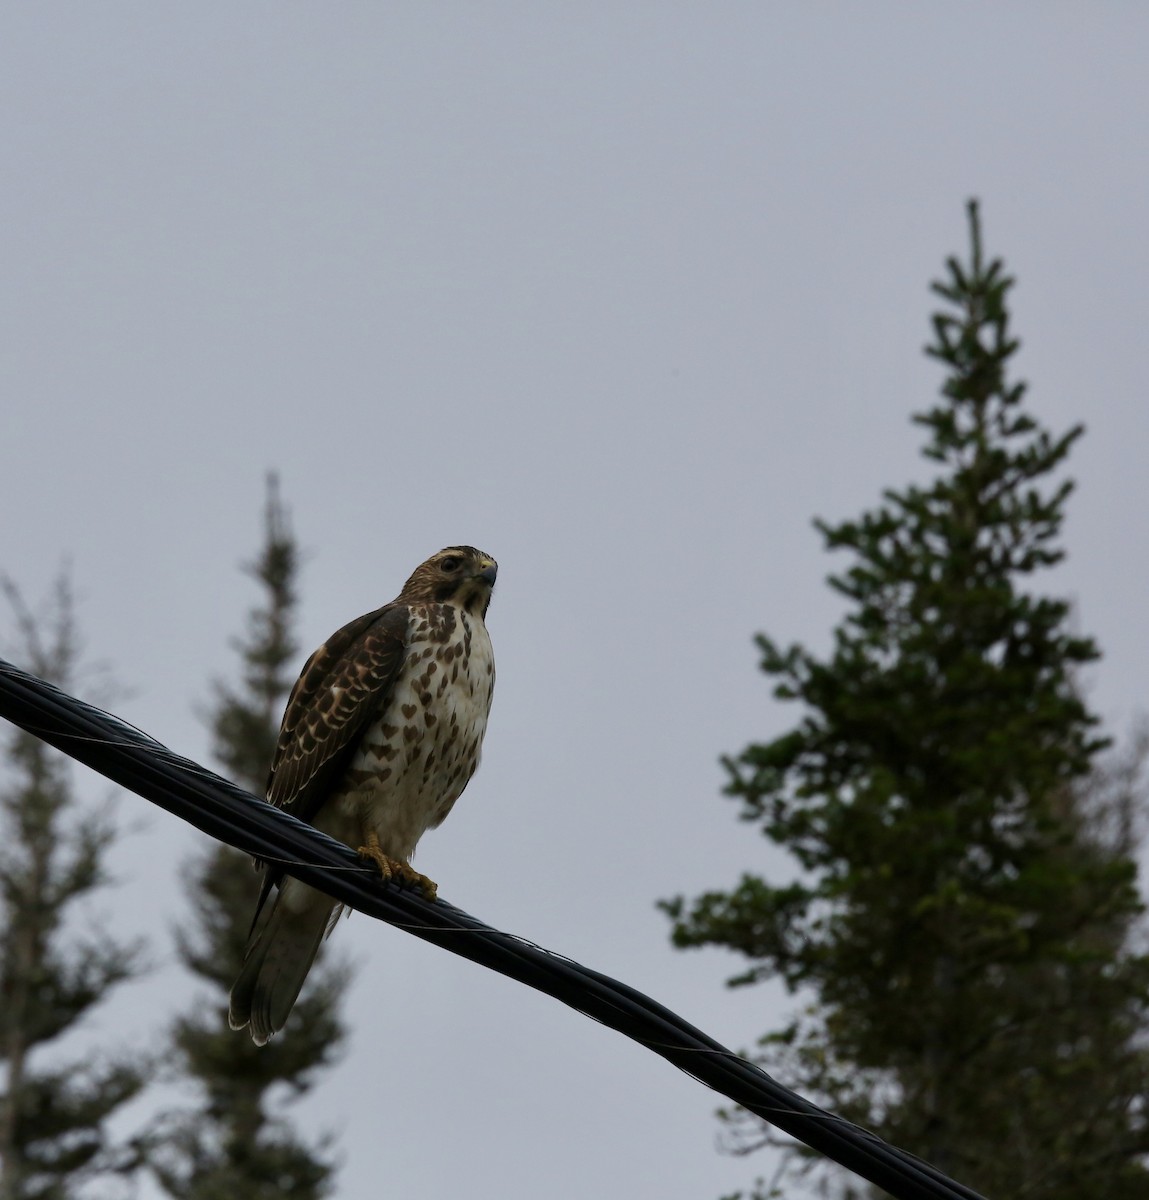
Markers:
458,575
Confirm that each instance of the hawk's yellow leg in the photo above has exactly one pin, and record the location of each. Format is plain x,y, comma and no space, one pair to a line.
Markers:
395,868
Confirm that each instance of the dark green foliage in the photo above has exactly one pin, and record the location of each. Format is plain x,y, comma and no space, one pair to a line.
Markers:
235,1145
53,1118
963,923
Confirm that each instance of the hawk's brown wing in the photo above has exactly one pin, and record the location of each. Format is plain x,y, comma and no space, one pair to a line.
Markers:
343,685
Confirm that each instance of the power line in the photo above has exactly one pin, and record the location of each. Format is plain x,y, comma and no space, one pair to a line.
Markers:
226,812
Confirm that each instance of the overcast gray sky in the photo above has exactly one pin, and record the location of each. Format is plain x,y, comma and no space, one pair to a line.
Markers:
623,294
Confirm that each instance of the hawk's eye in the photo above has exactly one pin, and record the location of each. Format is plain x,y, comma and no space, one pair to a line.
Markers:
450,564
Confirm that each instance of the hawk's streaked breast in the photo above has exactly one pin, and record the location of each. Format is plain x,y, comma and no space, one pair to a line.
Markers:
416,758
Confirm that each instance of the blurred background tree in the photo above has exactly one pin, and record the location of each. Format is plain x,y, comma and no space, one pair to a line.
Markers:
55,1108
236,1143
963,927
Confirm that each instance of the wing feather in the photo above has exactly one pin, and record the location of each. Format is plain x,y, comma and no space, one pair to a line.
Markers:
343,685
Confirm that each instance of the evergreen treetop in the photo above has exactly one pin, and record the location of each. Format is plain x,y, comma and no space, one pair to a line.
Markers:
961,921
239,1143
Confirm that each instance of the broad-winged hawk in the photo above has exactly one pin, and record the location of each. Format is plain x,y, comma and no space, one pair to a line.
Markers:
381,733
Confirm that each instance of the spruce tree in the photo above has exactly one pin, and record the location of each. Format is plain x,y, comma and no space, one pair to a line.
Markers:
237,1144
963,927
55,1104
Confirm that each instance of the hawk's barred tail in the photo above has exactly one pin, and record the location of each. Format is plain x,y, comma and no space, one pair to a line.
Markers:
278,958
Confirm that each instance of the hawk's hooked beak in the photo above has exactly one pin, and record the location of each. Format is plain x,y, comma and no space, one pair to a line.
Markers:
489,571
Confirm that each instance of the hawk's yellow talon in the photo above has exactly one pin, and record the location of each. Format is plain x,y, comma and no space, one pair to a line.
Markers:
395,869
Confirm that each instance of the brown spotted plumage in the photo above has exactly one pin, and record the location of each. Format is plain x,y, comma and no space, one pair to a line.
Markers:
381,734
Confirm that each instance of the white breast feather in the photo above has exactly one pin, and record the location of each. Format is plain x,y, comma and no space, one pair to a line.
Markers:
419,767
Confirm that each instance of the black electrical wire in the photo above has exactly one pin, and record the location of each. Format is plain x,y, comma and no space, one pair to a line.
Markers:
226,812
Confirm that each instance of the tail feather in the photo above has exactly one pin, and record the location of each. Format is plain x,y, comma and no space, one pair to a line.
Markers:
279,955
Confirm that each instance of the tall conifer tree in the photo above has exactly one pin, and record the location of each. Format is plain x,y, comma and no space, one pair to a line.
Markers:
54,1114
236,1144
964,922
